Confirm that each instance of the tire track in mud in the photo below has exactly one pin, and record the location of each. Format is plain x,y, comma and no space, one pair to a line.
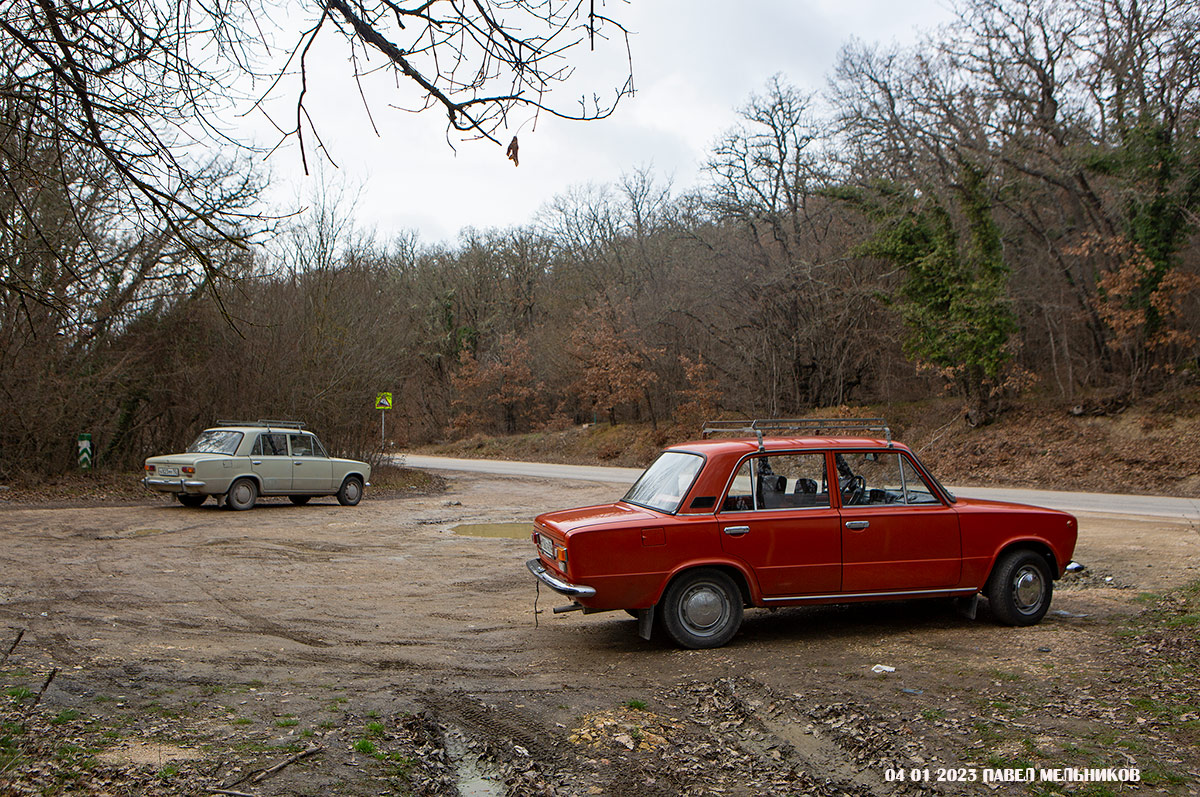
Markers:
730,736
782,744
529,755
498,725
256,624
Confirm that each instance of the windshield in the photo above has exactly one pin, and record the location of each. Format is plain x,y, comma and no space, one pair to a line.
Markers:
666,482
215,441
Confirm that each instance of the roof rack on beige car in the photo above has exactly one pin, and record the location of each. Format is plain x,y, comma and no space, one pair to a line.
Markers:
809,425
264,422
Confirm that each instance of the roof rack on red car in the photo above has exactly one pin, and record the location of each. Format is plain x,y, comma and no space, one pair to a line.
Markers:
264,422
809,425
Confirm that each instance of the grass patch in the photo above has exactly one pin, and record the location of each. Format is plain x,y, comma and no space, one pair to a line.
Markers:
989,732
1158,775
375,728
1001,675
1183,620
251,746
10,751
287,722
636,705
365,746
1007,762
65,716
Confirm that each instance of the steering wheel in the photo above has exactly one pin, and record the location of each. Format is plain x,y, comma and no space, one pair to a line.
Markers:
854,488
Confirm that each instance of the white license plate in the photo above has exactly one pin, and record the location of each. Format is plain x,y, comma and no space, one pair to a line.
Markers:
546,546
168,471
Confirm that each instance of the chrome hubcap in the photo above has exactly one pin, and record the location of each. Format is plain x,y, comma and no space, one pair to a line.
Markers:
1028,588
703,608
351,490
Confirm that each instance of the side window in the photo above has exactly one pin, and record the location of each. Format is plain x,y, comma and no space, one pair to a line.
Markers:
302,445
271,445
741,493
318,449
879,478
780,481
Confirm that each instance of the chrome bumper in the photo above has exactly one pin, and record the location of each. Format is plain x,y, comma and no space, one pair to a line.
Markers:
557,584
173,485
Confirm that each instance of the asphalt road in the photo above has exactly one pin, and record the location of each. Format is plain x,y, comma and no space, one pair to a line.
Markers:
1104,503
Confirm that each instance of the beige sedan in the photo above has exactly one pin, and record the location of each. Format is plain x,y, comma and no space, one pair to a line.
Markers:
237,462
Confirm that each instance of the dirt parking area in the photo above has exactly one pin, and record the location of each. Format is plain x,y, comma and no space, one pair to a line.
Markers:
373,650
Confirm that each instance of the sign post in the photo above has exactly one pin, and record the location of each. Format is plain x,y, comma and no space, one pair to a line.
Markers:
383,403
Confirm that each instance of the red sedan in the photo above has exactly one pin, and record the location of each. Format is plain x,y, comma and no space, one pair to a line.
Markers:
717,525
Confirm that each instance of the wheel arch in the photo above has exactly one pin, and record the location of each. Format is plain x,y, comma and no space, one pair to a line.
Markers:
251,476
739,575
1039,547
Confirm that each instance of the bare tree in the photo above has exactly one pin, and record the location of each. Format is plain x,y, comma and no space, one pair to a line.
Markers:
479,61
140,93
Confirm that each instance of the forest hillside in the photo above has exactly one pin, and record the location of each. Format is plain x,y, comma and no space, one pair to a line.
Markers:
1002,219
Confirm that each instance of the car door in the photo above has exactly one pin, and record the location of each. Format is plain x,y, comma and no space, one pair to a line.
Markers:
897,535
312,471
271,462
778,519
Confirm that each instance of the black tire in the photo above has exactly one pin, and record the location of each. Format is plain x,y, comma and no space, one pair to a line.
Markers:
190,501
351,491
701,609
1020,588
299,500
242,495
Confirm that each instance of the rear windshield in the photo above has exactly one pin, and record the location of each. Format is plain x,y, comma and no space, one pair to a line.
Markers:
215,441
666,482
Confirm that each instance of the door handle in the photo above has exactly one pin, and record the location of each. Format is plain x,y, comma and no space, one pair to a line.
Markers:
256,462
857,525
297,463
737,531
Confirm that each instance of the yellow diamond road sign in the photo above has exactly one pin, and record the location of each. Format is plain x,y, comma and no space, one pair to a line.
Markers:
383,401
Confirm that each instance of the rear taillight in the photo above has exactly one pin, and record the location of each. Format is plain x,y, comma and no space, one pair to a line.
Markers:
188,469
149,469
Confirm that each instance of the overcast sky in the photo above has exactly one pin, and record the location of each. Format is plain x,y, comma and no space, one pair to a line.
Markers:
694,65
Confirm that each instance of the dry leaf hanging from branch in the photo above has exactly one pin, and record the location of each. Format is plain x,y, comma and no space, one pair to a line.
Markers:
512,151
